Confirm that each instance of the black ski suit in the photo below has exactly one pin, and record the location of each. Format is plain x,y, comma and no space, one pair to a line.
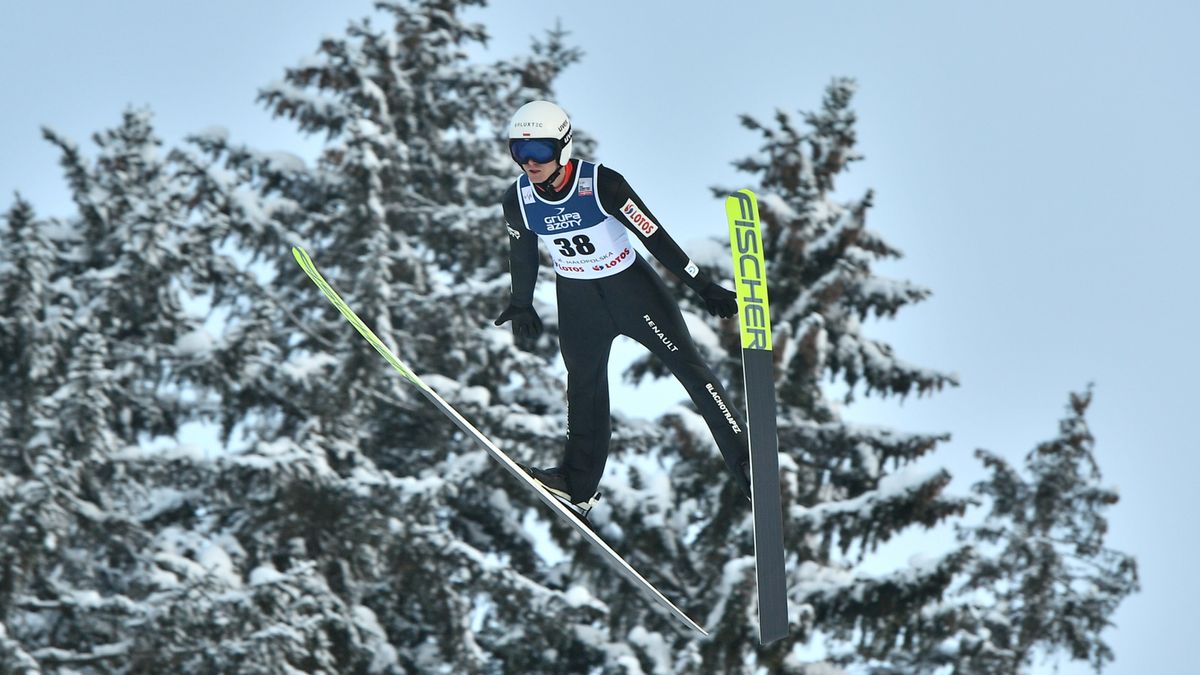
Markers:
604,290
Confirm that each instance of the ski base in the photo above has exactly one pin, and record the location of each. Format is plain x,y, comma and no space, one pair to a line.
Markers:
606,552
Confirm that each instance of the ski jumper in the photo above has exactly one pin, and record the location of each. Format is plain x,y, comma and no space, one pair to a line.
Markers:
606,289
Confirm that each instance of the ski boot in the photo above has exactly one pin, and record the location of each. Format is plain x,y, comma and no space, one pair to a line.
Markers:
555,483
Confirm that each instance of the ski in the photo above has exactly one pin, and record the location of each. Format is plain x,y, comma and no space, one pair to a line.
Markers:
750,275
607,553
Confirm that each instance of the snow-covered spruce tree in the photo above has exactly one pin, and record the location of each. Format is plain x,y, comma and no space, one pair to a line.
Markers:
1054,584
35,330
846,487
132,270
93,317
1034,578
115,559
35,324
402,516
1042,584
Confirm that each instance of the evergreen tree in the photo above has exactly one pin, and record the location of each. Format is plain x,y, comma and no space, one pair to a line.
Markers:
35,335
847,488
94,321
1040,581
351,529
1054,582
132,271
35,323
402,213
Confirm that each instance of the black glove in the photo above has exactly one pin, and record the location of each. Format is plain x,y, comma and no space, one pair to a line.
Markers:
525,320
719,301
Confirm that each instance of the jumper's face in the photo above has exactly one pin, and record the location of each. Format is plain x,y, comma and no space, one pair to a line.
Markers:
539,171
537,156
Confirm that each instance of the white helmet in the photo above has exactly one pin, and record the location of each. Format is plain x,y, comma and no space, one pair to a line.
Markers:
540,120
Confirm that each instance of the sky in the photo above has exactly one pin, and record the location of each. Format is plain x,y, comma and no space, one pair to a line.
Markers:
1035,162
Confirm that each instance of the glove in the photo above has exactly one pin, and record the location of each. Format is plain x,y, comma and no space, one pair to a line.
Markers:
525,320
719,301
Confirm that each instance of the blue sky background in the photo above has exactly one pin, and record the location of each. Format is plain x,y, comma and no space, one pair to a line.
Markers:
1036,162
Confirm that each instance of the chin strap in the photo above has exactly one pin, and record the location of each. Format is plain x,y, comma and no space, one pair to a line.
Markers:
548,184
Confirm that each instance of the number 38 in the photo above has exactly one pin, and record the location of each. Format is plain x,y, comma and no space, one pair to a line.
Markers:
581,246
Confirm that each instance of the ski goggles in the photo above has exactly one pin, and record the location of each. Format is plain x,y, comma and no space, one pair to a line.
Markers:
540,150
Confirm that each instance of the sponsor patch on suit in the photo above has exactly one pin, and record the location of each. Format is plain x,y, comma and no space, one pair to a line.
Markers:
641,221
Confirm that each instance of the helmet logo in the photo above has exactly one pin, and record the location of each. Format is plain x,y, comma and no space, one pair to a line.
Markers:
542,119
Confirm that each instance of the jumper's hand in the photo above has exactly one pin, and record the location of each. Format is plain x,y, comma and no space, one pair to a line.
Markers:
719,301
525,320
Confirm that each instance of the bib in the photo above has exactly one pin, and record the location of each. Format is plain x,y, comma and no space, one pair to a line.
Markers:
584,240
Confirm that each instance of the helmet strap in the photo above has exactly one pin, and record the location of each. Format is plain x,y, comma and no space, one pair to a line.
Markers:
548,184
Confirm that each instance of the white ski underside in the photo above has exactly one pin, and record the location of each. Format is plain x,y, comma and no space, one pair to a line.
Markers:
612,557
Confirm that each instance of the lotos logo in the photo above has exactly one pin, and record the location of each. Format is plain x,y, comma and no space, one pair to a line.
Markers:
641,221
619,259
